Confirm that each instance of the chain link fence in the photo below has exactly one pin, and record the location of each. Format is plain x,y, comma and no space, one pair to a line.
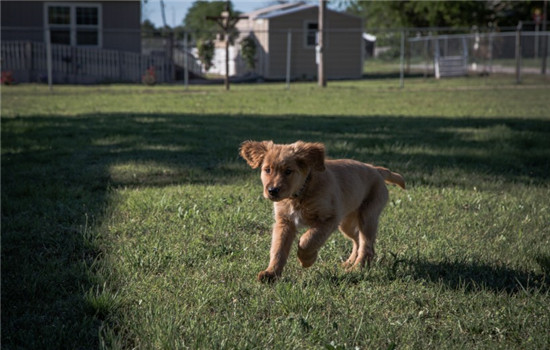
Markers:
440,52
290,54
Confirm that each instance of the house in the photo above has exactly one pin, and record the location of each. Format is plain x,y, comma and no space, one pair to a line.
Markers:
91,42
218,61
288,34
99,24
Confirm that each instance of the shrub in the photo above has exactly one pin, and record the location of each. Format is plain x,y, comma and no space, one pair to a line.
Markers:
7,78
248,50
150,77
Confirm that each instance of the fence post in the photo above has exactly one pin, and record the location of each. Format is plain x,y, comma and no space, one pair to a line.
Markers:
171,66
28,60
426,54
119,58
545,40
185,62
465,54
49,58
288,51
402,60
518,53
491,35
545,53
321,78
436,57
407,54
536,42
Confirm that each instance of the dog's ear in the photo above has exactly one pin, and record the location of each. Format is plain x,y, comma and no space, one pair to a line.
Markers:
254,152
311,154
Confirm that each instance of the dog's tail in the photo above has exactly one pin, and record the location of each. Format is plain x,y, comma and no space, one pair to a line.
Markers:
391,177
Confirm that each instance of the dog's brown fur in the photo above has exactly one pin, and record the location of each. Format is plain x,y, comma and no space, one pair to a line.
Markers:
309,190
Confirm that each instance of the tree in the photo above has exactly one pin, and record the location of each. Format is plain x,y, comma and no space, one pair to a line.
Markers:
206,52
248,50
195,20
148,27
204,31
396,14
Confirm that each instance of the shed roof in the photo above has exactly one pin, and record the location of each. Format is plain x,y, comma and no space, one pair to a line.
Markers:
274,8
290,10
286,11
369,37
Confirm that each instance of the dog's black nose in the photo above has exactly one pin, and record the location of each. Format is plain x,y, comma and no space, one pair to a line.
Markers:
273,191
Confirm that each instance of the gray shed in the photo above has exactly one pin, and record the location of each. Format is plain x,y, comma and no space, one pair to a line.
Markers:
344,47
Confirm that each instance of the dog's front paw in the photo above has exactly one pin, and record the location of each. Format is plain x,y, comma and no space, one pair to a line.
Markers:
347,264
306,258
267,276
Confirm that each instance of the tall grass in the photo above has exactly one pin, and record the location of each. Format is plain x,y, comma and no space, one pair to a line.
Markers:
128,220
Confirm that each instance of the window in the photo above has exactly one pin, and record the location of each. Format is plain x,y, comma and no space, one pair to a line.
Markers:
74,24
311,34
59,19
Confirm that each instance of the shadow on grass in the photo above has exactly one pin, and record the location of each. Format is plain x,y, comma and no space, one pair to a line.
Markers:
203,148
468,277
57,172
474,277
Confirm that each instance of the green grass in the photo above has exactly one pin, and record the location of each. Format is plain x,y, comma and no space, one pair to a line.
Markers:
379,68
129,221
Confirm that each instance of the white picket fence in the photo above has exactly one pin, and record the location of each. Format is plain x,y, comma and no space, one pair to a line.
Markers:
28,62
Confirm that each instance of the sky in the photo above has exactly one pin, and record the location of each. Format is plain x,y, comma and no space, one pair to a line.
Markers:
176,9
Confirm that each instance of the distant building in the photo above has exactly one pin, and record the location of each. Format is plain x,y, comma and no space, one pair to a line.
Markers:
370,44
91,42
270,26
99,24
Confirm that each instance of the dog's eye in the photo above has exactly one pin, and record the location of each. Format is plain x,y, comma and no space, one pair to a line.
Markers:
267,170
288,171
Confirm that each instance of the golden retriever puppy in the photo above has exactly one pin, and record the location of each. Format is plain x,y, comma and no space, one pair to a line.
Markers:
321,194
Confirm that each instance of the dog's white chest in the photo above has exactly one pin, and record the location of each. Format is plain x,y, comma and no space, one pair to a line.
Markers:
296,217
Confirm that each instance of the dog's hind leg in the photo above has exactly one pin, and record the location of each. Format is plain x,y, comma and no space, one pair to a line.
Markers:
349,228
369,213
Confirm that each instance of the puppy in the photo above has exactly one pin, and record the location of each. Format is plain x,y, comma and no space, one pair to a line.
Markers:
321,194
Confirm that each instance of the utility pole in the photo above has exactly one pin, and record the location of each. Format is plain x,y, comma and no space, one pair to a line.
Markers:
226,22
163,12
322,81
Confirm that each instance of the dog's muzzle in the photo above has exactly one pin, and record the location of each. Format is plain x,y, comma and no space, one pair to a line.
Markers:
273,192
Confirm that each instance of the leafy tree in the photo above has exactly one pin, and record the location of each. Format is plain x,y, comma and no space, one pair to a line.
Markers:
195,21
148,29
395,14
248,50
148,26
204,31
509,13
206,52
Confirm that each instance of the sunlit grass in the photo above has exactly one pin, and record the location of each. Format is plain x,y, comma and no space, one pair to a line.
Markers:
129,221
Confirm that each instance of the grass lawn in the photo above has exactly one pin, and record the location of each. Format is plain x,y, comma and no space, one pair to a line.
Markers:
129,221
